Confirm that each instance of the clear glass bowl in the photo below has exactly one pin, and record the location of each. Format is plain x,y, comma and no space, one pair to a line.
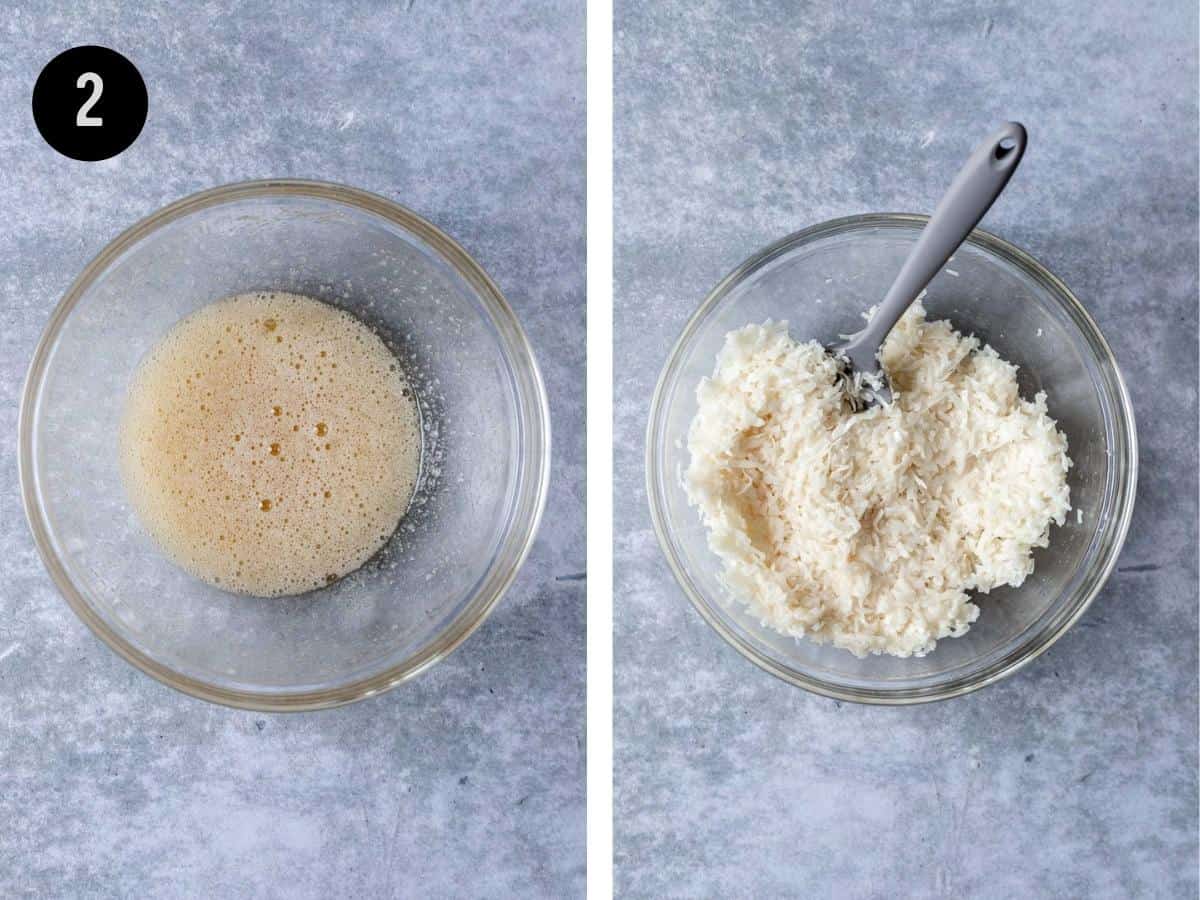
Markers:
820,280
485,461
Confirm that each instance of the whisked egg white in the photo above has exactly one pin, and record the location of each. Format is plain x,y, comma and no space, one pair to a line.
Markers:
270,443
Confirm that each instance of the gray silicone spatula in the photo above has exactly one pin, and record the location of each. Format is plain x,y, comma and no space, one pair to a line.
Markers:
971,194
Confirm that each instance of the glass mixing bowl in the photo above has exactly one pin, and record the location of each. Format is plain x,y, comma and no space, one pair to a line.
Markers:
821,280
485,461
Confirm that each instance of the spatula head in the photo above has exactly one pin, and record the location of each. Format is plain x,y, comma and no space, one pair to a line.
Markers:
863,386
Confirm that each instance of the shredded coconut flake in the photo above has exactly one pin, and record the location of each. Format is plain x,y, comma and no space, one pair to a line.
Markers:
867,530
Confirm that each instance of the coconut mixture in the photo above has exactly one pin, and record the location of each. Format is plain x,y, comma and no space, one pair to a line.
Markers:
270,443
868,530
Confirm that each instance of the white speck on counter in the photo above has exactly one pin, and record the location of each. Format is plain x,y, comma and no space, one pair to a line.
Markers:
1039,334
1079,517
951,272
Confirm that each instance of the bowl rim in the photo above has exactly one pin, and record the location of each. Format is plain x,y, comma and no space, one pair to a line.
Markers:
1124,495
534,409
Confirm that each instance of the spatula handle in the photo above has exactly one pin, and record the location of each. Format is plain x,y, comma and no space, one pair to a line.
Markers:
973,191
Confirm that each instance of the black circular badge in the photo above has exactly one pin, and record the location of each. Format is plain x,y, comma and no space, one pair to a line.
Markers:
90,103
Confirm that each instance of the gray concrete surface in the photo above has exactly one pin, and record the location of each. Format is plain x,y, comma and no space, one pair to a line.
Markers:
467,782
737,123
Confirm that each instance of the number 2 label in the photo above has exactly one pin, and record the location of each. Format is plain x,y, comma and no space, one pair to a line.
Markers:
89,103
82,118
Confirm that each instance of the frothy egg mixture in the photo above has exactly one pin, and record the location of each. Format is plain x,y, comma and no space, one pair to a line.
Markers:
270,443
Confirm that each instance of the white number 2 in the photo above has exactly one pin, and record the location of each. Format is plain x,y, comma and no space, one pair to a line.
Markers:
82,119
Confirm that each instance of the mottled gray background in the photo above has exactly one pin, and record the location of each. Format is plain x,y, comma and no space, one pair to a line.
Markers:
467,781
738,122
